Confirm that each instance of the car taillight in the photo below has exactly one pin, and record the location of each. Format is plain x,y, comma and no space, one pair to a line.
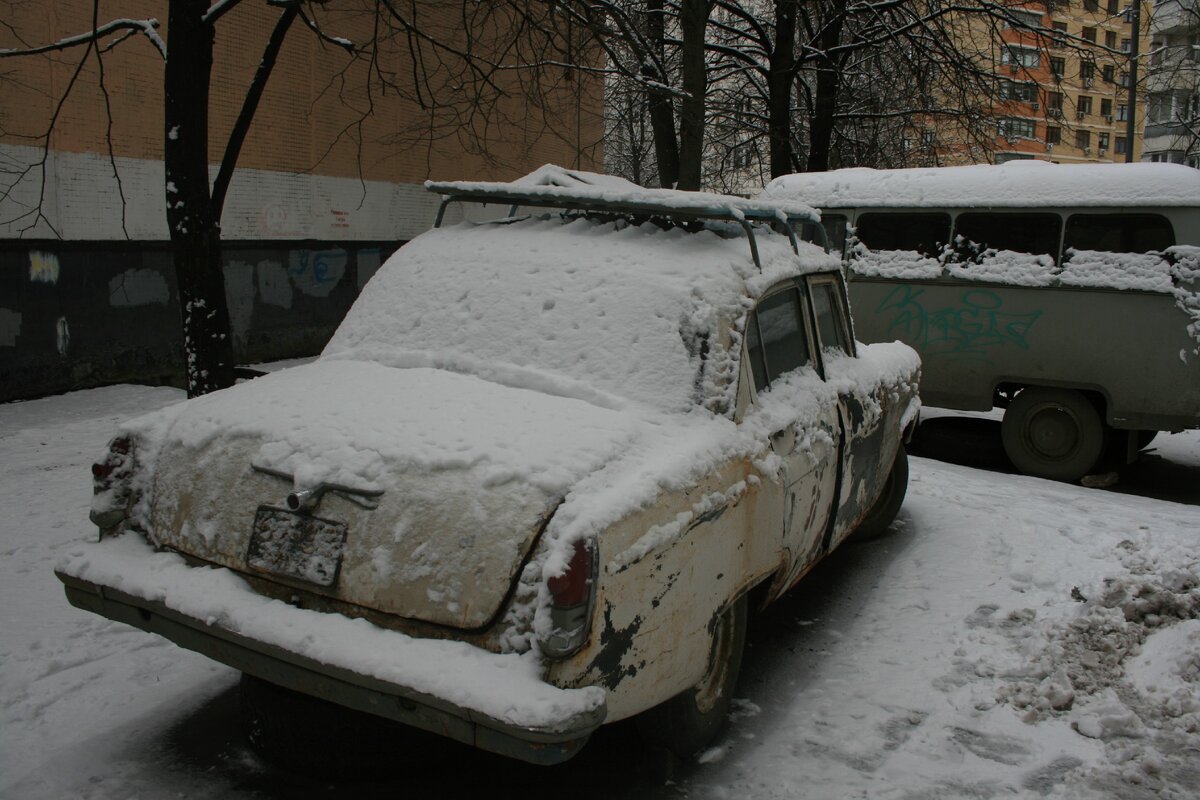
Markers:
571,596
111,485
116,462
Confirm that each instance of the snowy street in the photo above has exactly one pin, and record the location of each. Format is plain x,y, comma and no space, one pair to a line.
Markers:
1013,637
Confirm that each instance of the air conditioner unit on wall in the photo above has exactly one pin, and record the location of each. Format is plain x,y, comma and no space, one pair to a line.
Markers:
1081,114
1087,151
1014,69
1035,106
1056,113
1087,83
1108,118
1103,150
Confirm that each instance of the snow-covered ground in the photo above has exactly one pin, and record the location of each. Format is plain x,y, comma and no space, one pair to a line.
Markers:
1012,638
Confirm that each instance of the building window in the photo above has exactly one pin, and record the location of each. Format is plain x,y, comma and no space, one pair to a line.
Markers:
927,138
1084,106
1089,34
1114,6
1023,19
1053,135
1087,71
1122,112
1060,30
1110,39
1091,5
1107,72
1126,45
1102,141
1083,139
1058,66
1015,128
1124,81
1119,146
1023,56
1013,90
1106,107
1004,158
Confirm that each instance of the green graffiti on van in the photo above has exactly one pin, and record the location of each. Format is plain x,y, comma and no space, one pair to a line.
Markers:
970,329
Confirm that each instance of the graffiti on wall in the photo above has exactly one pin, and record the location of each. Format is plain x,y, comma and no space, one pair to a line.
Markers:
971,328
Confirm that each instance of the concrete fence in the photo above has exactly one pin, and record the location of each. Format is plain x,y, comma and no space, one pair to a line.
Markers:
81,314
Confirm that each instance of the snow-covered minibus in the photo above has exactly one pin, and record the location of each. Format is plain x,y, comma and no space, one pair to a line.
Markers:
1067,295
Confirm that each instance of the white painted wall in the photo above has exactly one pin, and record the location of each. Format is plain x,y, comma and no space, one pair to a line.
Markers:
81,202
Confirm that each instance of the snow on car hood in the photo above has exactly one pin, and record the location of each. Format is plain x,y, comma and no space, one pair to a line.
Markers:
469,472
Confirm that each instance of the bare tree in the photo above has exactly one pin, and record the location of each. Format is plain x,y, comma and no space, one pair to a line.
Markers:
474,71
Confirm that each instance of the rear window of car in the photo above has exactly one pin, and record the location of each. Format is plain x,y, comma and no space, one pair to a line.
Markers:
923,232
1119,233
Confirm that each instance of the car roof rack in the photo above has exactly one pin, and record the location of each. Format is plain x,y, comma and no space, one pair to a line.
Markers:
576,190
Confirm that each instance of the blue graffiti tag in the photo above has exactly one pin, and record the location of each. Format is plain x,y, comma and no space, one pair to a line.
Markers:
968,330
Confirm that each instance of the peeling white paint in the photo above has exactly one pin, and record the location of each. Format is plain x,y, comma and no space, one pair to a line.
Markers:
138,287
43,267
10,327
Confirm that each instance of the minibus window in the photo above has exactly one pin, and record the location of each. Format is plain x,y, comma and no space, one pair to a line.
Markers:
1119,233
1022,233
925,233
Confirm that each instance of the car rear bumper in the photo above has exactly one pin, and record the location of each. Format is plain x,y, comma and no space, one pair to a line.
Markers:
485,703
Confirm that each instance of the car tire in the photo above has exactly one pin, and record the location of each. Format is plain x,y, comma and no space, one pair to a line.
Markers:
887,506
692,719
1053,433
314,737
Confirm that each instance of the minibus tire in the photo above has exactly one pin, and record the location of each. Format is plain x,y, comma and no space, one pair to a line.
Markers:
1053,433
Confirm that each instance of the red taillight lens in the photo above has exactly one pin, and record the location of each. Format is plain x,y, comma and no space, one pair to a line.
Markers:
115,463
574,586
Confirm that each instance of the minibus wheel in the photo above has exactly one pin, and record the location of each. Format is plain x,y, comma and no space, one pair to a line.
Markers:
1053,433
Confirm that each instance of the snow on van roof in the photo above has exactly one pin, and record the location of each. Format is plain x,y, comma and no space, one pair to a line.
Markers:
550,185
1017,183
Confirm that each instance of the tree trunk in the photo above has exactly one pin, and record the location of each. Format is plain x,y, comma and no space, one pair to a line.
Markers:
195,232
662,114
781,73
825,102
693,20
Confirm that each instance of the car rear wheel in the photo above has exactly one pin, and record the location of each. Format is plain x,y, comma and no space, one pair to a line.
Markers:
690,720
876,523
1053,433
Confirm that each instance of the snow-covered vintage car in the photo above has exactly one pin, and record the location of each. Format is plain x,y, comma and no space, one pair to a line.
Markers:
535,479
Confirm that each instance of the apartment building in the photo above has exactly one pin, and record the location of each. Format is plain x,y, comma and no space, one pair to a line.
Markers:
329,180
1062,71
1173,84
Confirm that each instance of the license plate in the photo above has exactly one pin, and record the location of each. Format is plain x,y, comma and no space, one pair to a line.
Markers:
296,546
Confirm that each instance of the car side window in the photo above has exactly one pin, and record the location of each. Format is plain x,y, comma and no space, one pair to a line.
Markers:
831,324
776,342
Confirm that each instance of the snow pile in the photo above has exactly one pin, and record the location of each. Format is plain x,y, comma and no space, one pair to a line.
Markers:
1005,266
1185,273
1122,665
604,312
1145,272
1018,184
893,264
507,688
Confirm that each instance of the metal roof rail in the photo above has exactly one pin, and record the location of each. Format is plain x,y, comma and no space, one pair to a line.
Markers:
693,206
